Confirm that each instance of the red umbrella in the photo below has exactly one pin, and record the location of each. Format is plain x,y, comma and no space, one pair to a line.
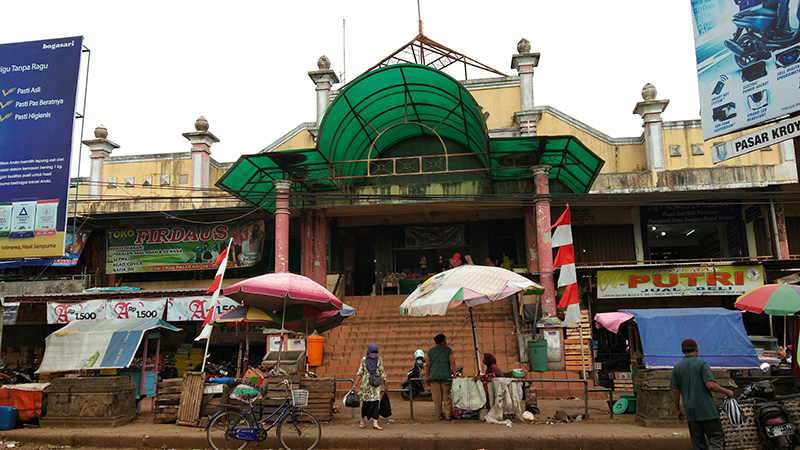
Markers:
274,291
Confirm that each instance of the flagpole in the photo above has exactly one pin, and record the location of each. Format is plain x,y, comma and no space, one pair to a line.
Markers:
223,264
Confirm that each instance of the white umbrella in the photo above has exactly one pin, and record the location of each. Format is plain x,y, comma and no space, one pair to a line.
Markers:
473,285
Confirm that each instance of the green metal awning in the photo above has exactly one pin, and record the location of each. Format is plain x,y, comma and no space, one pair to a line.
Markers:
392,105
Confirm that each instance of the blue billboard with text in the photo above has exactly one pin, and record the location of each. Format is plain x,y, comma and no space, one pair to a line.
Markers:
38,89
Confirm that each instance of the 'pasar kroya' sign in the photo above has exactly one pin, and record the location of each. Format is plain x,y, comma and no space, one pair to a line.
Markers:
678,281
160,249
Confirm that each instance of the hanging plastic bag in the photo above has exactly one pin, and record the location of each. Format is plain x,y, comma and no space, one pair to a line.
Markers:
351,400
385,408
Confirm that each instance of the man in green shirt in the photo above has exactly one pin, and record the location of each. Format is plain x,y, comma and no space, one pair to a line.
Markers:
439,364
693,381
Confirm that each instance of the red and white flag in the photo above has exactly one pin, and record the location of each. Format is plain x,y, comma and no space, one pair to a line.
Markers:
565,259
216,286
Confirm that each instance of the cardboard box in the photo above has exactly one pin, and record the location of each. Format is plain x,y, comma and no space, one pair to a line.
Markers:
256,379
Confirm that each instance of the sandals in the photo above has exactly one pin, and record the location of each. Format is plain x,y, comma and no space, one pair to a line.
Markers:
377,427
362,425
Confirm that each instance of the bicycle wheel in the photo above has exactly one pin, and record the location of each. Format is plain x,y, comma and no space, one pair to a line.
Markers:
299,430
218,432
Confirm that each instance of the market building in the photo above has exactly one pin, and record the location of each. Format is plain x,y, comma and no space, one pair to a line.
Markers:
405,165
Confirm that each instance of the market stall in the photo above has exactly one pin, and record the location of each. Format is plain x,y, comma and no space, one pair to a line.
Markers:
721,339
86,346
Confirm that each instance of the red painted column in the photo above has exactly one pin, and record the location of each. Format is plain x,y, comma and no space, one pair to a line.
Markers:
530,239
542,205
780,232
319,264
282,225
306,243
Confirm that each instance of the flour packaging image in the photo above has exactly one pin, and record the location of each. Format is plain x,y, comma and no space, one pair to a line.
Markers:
23,217
5,218
46,212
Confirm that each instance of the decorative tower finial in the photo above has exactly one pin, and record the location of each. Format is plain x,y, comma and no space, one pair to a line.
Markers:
649,92
523,46
324,63
101,132
201,124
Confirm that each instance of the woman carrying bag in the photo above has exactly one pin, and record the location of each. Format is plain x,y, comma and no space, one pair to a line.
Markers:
372,376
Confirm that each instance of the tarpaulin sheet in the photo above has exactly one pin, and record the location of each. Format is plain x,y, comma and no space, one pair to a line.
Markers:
26,397
96,344
721,338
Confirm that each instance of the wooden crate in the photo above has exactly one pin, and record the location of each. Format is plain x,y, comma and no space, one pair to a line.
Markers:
191,399
572,345
167,401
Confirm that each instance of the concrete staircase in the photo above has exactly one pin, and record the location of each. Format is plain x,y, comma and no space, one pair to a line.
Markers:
378,320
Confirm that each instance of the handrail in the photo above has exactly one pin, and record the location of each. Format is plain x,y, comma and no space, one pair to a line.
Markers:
352,385
548,380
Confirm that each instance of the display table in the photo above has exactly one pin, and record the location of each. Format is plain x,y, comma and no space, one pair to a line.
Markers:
26,397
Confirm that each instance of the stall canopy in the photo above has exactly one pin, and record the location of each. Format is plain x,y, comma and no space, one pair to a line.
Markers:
721,338
97,344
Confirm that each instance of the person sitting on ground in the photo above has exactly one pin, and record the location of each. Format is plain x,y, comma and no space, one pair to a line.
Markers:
492,371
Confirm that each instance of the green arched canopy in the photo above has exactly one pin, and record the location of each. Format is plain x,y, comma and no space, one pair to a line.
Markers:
394,104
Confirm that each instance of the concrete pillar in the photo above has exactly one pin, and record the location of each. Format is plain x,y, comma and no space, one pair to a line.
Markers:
779,230
201,141
531,239
319,263
650,110
282,217
324,78
101,148
314,245
542,201
524,62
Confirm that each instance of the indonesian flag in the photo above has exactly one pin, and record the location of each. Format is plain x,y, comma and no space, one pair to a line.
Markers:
222,262
565,259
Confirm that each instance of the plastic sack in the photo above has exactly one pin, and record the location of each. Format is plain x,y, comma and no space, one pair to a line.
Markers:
245,393
351,400
385,407
733,411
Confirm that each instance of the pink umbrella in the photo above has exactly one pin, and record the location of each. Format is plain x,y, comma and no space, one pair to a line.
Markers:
279,292
274,291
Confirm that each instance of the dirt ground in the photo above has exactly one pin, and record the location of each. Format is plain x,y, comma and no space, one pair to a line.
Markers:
144,434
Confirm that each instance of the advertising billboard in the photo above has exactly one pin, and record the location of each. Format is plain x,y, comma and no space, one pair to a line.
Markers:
163,249
38,88
748,63
678,281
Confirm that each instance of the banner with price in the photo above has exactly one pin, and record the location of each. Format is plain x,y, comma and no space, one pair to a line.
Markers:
194,309
136,308
60,313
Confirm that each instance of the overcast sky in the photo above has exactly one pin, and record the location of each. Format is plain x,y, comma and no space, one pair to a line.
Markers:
157,66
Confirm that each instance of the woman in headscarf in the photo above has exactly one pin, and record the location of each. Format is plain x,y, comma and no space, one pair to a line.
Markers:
370,395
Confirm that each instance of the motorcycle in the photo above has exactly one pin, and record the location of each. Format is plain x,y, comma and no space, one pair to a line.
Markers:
774,425
759,32
416,386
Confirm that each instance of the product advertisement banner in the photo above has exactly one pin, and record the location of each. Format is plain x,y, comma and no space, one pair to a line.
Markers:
161,249
678,281
38,88
69,312
135,308
188,309
748,64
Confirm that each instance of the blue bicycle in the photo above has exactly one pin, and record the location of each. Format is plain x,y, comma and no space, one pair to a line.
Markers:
233,429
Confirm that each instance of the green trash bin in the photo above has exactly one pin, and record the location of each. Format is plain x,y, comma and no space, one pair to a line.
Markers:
537,351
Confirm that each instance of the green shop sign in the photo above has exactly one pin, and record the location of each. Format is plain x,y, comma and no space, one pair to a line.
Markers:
163,249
